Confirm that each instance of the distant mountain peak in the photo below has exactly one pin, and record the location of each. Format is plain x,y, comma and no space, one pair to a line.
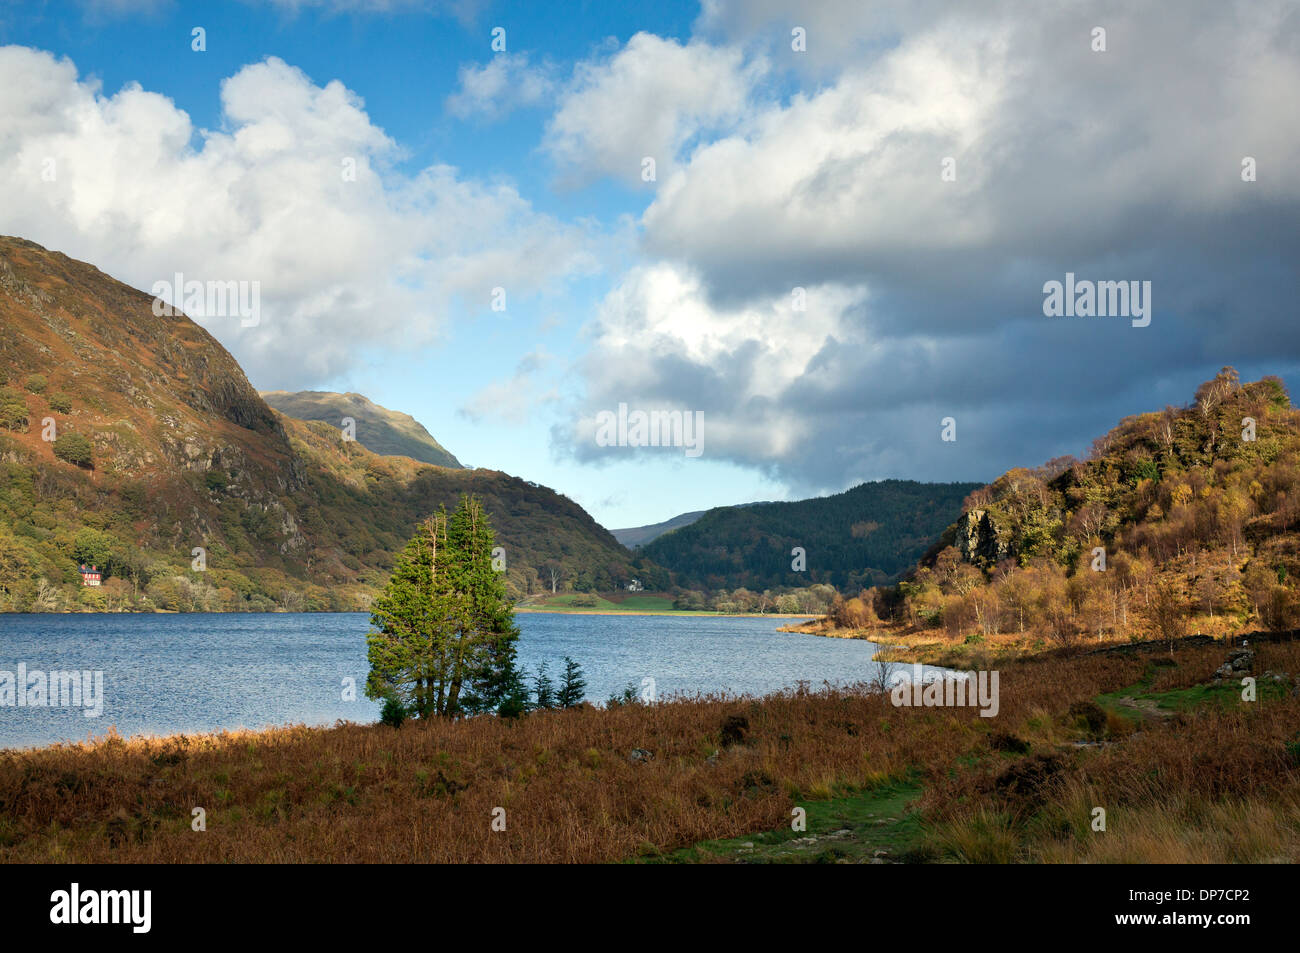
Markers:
389,433
633,536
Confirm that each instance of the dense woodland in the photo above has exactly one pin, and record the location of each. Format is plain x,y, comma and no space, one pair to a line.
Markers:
864,536
1182,520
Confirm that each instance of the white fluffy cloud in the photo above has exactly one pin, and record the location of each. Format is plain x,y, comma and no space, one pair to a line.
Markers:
507,81
658,344
649,99
344,265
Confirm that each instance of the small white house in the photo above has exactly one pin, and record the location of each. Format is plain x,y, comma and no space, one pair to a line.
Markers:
635,586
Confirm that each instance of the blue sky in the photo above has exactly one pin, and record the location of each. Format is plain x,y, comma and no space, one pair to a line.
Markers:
405,64
781,171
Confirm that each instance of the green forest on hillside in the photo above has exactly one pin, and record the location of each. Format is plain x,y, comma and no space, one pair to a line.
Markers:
864,536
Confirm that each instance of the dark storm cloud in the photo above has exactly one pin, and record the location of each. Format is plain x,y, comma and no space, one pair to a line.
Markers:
926,296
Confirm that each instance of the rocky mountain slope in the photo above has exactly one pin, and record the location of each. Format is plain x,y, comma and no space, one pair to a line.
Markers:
135,442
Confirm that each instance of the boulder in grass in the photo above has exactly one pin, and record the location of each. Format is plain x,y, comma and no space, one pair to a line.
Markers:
1241,660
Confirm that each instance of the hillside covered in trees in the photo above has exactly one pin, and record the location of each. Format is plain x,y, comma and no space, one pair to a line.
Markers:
1179,521
864,536
134,442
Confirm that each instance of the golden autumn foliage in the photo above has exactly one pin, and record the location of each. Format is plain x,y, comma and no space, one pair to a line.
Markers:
1185,520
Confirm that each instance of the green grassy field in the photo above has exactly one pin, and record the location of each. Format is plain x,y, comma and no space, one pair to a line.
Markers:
618,602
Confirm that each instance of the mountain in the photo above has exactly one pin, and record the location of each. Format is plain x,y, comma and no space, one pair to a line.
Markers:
134,442
634,536
388,433
1181,520
861,537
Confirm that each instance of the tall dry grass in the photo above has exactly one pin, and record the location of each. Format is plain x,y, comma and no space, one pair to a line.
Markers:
1206,785
426,792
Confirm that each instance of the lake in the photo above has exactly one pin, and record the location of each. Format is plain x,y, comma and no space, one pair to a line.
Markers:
164,674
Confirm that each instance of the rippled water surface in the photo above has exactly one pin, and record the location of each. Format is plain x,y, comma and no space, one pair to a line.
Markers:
191,672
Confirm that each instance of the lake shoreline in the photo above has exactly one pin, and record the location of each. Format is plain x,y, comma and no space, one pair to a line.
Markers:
677,613
188,673
686,613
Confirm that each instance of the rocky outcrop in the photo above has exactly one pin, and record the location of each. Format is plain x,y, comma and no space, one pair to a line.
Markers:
980,540
1241,663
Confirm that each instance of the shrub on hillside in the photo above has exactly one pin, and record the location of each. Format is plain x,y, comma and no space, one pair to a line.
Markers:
1006,741
13,410
36,383
61,402
75,448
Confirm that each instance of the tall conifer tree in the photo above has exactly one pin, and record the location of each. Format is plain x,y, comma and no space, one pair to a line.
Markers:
445,639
